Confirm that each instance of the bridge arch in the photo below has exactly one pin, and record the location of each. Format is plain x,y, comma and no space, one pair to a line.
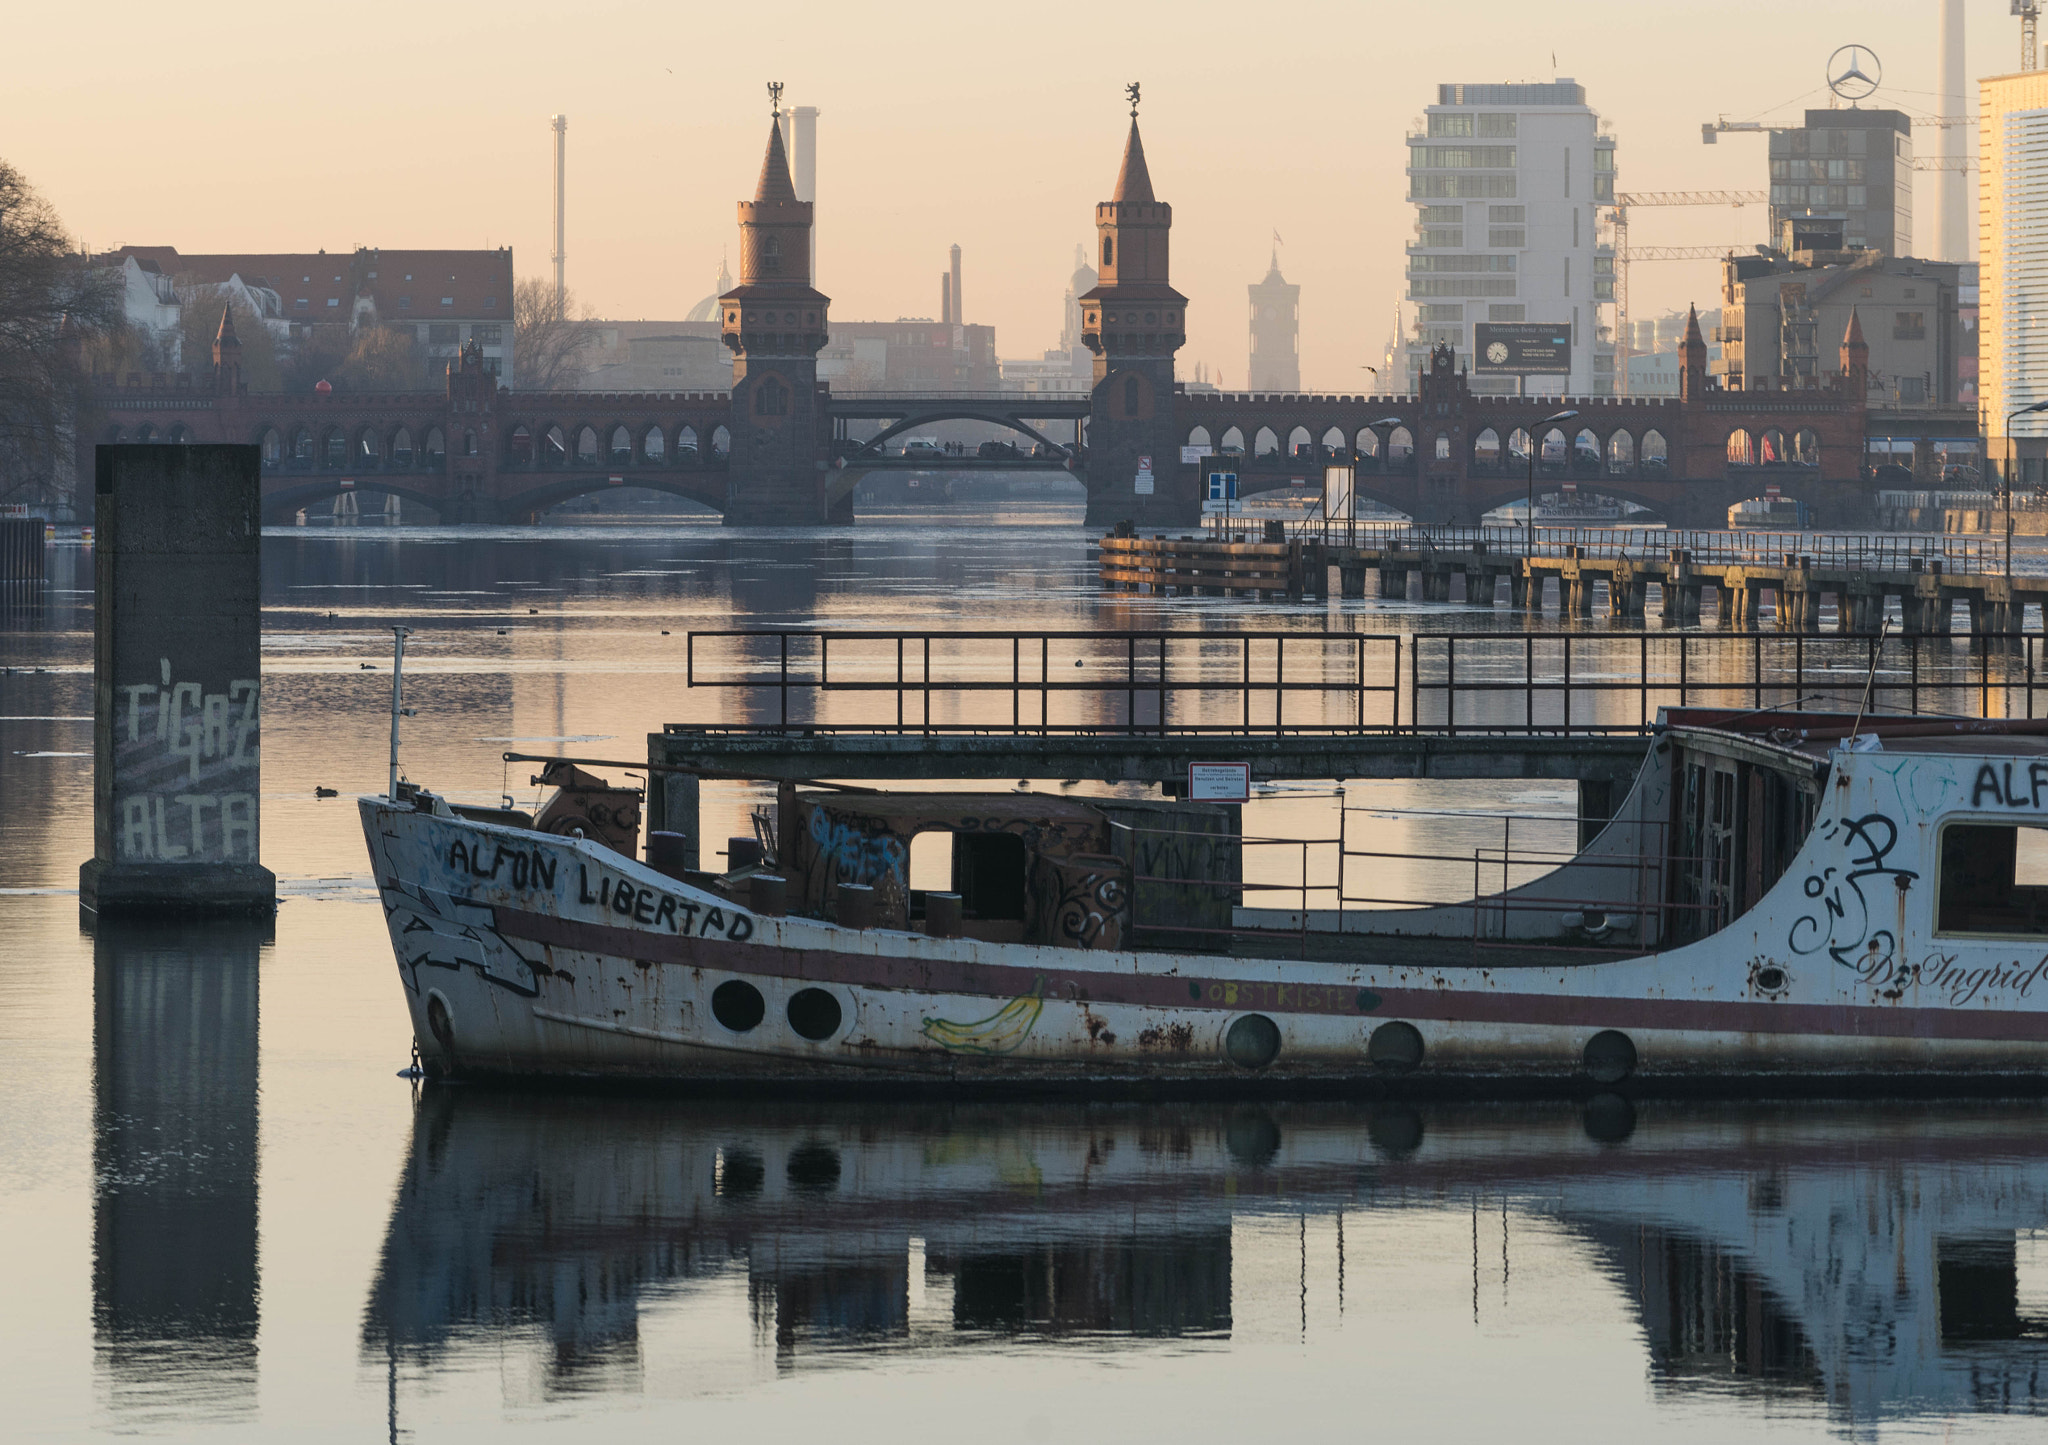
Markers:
585,454
686,445
653,448
1233,442
706,490
1621,452
987,415
1199,437
282,502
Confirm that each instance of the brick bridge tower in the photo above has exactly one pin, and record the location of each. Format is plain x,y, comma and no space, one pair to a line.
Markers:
1134,322
774,324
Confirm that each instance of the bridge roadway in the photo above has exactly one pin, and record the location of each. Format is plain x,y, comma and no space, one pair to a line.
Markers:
1928,575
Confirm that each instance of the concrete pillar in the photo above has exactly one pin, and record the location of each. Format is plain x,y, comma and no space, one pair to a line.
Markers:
1394,584
672,800
1582,597
1351,580
177,676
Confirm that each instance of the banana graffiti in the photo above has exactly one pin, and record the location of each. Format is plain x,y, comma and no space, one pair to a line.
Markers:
1000,1033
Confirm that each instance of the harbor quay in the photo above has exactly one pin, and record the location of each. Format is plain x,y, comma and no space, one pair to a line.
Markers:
1728,574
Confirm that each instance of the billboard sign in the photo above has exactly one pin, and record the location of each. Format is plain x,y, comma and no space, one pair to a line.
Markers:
1520,348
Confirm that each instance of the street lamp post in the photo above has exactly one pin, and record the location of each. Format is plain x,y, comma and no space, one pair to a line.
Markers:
2010,460
1536,445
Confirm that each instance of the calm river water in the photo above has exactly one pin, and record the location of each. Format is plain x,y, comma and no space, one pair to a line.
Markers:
226,1217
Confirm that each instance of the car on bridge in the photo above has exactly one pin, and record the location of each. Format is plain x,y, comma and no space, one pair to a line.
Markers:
999,451
923,447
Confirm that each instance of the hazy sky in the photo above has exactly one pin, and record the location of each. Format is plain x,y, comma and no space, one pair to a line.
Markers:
236,126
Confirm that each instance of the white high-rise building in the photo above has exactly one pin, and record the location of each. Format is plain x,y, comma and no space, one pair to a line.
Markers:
2012,247
1509,183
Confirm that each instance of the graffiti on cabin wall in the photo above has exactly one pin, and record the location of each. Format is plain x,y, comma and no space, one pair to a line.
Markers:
1850,902
187,770
1089,902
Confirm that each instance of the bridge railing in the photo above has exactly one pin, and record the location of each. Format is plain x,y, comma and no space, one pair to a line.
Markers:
1334,683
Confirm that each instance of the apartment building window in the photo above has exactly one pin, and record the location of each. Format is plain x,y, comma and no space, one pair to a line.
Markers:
1507,313
1443,236
443,333
1567,275
1443,313
1443,215
1575,225
405,303
1463,264
1909,326
1507,215
490,303
302,304
1497,127
491,335
1462,158
1450,125
447,300
1454,187
1507,237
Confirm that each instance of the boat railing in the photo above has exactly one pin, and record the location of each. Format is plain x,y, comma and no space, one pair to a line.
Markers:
1314,874
1278,682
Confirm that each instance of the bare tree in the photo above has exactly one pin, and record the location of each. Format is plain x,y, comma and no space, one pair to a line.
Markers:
46,287
550,342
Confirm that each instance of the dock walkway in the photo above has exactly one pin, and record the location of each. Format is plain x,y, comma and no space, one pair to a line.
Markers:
1733,571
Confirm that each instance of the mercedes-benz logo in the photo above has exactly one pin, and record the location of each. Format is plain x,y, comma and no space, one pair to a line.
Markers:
1854,71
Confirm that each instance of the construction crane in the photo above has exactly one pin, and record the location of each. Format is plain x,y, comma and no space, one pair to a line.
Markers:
1711,131
1623,255
2029,12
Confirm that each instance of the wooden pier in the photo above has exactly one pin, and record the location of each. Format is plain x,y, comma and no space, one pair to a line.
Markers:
1730,574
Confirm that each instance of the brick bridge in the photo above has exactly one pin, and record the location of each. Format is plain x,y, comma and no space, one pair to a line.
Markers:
778,448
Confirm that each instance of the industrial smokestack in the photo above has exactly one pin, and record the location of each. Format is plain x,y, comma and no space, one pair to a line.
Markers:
561,124
945,298
803,164
959,311
1955,234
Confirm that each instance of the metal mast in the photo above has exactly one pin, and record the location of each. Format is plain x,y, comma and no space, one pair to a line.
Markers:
561,257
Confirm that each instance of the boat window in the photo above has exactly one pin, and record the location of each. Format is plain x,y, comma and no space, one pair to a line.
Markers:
931,862
1994,879
988,874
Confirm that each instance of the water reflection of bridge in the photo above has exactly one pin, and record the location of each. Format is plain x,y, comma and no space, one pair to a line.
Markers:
1881,1262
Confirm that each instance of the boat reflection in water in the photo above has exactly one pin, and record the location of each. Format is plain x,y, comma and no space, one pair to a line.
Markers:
1869,1262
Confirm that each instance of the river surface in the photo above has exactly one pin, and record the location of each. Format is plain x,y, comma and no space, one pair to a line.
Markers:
226,1217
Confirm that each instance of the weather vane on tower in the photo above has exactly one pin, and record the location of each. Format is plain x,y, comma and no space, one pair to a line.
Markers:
1131,91
775,98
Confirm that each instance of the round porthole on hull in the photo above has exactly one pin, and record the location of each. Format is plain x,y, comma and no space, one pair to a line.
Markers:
738,1005
814,1014
1252,1042
1395,1048
439,1024
1610,1056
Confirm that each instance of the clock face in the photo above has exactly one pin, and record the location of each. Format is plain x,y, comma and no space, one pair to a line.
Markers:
1497,352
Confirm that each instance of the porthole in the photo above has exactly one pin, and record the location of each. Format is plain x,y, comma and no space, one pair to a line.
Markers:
1252,1042
439,1024
1610,1056
1395,1048
738,1005
814,1013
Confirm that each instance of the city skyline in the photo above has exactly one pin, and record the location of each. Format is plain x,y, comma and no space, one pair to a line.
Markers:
658,153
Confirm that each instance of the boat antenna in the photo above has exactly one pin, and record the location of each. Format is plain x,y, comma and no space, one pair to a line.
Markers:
398,707
1870,681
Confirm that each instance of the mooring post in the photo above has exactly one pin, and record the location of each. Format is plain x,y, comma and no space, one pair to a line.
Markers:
177,679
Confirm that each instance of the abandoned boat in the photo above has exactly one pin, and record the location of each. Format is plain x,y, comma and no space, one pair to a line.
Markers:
1779,897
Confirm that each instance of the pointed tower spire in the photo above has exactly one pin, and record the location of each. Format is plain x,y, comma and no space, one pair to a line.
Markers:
1133,180
1692,357
1856,356
775,183
226,334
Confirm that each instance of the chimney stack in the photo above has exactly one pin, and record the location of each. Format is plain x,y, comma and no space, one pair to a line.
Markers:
561,124
803,165
959,311
945,298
